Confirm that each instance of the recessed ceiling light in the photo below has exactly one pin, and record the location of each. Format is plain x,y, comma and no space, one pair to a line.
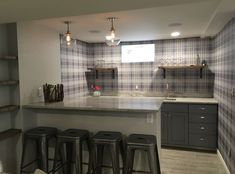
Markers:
94,31
175,34
175,24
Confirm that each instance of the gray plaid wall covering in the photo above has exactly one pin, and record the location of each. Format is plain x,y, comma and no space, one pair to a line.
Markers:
74,63
147,76
223,65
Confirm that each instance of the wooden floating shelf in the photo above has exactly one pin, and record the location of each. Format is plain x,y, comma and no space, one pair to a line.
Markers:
103,70
182,67
8,57
164,68
9,108
8,82
9,133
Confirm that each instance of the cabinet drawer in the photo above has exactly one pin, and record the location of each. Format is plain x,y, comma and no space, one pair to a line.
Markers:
202,109
202,128
180,108
202,118
202,140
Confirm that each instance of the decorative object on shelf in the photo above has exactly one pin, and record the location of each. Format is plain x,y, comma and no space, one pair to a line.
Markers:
96,90
204,63
111,39
53,93
99,63
198,60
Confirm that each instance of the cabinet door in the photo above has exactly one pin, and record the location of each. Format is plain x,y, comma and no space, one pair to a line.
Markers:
164,127
177,128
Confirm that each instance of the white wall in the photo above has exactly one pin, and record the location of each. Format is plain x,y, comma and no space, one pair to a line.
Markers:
39,59
39,63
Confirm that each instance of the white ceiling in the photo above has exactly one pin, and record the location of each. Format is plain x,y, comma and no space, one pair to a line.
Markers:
137,20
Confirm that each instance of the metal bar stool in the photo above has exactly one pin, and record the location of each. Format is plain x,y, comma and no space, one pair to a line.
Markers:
73,139
146,143
113,140
41,136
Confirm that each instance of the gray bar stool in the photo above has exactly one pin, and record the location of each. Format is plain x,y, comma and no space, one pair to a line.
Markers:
146,143
113,141
40,135
73,139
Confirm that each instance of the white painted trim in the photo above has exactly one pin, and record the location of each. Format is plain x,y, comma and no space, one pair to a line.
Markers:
223,162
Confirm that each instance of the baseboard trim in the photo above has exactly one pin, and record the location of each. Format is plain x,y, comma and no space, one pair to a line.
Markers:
223,162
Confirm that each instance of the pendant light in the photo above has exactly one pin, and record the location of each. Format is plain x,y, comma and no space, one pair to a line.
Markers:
67,35
111,39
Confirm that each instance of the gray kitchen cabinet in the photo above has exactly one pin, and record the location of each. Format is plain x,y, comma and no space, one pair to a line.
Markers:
189,125
177,128
164,127
174,124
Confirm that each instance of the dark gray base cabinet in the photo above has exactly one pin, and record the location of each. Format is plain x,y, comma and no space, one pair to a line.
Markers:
189,125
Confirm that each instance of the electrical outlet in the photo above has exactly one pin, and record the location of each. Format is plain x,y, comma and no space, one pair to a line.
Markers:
149,118
136,87
233,91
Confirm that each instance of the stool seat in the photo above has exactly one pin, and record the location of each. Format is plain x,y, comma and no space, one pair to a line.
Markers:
147,143
41,136
74,134
41,132
107,136
112,141
141,140
71,155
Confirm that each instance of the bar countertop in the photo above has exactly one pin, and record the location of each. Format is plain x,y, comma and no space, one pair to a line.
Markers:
115,103
124,104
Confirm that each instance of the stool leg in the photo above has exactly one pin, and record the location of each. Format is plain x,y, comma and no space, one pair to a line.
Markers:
78,156
99,159
90,156
69,156
25,140
114,148
56,154
153,161
44,154
129,160
122,150
42,151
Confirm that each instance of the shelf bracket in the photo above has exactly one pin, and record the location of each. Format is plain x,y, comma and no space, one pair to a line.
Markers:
96,74
201,69
113,74
164,73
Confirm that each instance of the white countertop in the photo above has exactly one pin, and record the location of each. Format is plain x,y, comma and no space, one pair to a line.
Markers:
125,104
116,103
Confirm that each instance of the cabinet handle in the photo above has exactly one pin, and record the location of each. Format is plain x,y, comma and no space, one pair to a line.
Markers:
202,117
202,139
202,128
202,108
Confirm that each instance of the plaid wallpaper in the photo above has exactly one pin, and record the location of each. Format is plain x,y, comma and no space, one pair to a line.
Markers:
149,78
74,62
223,65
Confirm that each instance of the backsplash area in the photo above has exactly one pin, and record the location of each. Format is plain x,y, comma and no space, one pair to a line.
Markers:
139,78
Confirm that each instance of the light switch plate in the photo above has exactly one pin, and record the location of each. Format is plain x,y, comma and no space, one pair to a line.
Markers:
233,91
149,118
